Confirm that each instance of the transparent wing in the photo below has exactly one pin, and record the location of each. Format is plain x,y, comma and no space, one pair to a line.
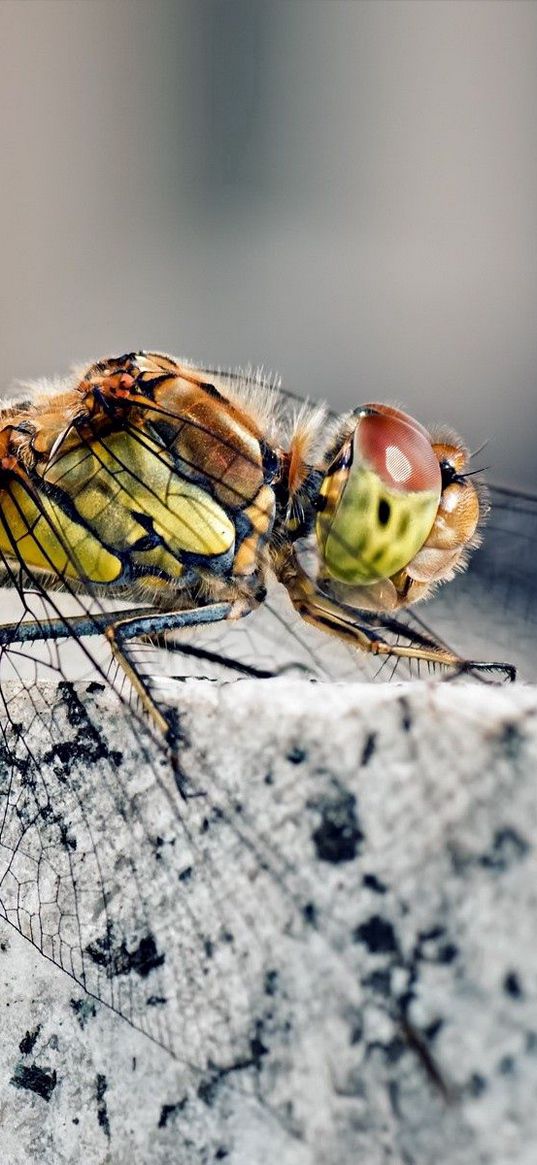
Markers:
124,885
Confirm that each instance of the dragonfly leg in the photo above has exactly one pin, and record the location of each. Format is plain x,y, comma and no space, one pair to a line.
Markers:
63,627
122,631
344,623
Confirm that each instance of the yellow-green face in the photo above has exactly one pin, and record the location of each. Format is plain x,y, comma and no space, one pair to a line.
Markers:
379,498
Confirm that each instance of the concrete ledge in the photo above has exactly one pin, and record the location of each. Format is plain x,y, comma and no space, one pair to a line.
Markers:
330,943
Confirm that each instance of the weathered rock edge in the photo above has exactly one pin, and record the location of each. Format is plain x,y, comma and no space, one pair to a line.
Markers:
378,844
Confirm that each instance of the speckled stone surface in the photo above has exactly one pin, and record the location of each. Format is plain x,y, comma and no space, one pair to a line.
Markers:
318,936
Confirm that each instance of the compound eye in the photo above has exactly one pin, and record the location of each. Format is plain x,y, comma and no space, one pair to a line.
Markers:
380,500
398,449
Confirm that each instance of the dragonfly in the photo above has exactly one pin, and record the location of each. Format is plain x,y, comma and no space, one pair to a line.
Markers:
159,521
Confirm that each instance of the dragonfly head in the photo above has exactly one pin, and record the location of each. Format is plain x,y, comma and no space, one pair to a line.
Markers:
394,504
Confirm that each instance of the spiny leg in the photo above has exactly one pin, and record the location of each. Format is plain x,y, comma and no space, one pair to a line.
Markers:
344,623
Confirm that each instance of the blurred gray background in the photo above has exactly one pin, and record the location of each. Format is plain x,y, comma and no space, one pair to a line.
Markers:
343,191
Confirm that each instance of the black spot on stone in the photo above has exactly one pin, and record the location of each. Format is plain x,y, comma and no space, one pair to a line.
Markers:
406,716
431,1031
53,817
269,779
170,1110
88,747
338,836
511,741
296,755
356,1029
477,1085
221,1153
208,1088
117,959
271,982
28,1041
506,1065
94,687
508,847
22,765
393,1093
84,1010
512,985
35,1080
101,1087
447,953
369,748
208,947
427,937
379,981
76,1120
392,1051
68,841
257,1048
373,883
309,913
185,874
156,1000
407,997
378,935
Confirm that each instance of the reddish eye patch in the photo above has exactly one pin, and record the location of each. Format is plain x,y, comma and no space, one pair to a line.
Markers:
398,449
